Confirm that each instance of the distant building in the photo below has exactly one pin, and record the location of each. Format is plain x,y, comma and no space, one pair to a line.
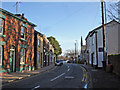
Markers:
51,54
45,51
94,43
16,42
82,53
38,50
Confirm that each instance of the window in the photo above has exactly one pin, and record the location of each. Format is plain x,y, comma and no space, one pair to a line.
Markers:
0,55
38,41
39,57
23,30
92,40
22,56
1,25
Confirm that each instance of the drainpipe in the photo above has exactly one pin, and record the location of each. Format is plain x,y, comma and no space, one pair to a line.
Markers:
96,48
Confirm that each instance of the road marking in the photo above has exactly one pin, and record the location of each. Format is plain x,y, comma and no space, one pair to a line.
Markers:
84,75
68,66
35,87
85,86
68,70
57,77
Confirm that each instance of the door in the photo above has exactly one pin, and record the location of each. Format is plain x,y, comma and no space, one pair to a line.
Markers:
12,59
92,59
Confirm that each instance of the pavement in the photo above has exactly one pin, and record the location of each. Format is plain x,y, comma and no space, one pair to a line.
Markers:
15,76
99,78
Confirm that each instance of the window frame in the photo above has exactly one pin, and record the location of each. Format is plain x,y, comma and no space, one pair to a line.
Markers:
2,26
24,37
38,56
24,56
38,41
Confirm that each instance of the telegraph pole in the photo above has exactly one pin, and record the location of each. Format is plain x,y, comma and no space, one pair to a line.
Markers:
103,29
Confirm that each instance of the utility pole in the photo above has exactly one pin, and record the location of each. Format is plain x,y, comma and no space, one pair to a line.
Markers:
75,49
103,29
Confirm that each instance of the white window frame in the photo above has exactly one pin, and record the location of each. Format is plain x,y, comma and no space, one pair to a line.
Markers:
1,54
38,41
2,26
24,37
22,61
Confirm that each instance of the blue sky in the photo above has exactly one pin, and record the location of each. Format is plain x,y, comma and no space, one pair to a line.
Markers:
66,21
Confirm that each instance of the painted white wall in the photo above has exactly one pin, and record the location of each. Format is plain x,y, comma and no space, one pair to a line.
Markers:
100,45
112,38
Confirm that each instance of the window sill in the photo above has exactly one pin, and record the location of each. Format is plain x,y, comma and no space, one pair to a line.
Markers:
22,64
23,40
2,36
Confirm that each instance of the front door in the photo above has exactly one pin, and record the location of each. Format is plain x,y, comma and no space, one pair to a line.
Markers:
12,59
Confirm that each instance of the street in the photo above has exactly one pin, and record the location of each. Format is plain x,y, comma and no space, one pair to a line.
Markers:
65,76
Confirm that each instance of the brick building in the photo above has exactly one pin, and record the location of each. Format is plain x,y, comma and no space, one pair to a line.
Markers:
16,42
38,50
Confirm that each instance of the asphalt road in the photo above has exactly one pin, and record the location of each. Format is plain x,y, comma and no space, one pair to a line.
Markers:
65,76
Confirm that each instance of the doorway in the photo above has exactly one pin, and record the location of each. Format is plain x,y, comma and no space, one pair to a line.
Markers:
12,59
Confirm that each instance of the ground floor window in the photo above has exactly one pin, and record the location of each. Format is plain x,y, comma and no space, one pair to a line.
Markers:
39,57
1,55
22,56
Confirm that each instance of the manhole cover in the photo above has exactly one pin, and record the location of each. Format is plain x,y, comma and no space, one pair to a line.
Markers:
69,77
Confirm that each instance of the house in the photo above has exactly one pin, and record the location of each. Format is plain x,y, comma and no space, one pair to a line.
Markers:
16,42
38,50
45,51
94,43
51,54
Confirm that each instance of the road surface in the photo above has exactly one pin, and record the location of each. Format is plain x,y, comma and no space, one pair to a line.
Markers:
65,76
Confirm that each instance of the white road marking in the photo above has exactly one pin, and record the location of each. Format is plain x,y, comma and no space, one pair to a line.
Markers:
57,77
35,87
85,86
68,70
68,66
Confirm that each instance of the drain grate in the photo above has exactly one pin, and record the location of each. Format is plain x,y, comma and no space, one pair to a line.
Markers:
69,77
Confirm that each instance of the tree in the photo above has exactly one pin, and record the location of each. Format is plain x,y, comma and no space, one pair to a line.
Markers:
114,11
70,53
56,46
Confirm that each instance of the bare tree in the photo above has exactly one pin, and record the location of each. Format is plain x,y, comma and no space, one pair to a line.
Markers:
113,11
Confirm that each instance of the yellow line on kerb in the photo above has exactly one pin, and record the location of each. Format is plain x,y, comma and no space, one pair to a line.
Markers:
84,75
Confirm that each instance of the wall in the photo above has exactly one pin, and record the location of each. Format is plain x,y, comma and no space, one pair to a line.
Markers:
115,61
13,38
112,38
100,45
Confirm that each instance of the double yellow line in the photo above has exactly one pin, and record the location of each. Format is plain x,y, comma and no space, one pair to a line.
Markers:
84,75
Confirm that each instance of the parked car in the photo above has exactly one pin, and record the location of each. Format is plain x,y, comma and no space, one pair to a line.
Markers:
68,61
58,62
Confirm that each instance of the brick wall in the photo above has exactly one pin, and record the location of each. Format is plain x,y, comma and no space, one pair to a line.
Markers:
12,32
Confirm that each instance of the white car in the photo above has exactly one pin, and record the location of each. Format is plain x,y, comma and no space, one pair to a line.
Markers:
58,63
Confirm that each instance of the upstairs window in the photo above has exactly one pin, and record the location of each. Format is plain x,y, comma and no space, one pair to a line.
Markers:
38,41
23,30
1,25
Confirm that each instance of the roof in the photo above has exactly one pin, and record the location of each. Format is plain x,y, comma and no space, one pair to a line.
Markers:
100,27
38,33
14,16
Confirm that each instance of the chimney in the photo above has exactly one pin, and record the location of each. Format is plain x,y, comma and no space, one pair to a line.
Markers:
22,15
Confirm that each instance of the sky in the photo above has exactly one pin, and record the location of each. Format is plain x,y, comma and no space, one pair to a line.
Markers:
66,21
